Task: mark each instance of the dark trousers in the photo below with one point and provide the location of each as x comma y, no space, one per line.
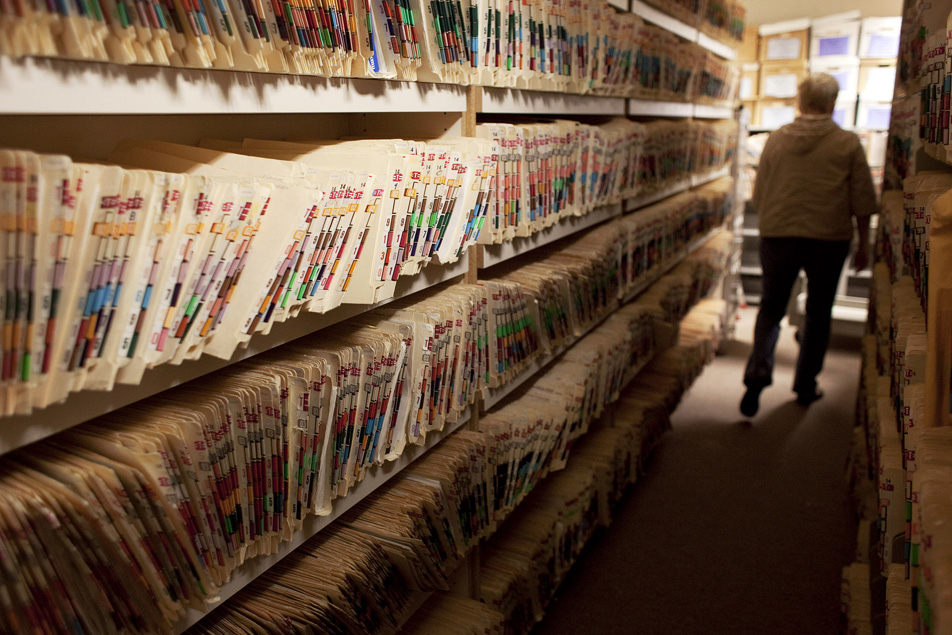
781,260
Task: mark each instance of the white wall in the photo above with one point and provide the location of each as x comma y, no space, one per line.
767,11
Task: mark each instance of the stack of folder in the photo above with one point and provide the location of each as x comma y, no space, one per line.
555,46
899,615
189,251
890,248
452,614
931,602
855,599
919,195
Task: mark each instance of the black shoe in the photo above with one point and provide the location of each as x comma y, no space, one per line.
806,398
751,402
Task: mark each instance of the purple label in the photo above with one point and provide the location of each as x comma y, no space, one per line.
839,45
882,45
878,118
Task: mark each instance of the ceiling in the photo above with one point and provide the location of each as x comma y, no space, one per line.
767,11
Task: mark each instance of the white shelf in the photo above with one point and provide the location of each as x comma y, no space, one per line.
18,431
718,48
48,86
702,111
648,199
751,271
375,478
619,4
700,179
665,21
694,180
495,254
648,108
515,101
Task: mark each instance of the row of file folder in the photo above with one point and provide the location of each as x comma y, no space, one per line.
891,419
549,171
713,17
899,615
185,251
174,493
522,564
931,609
919,196
855,599
552,45
189,251
451,614
430,516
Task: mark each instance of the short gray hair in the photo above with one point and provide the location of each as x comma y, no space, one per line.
817,93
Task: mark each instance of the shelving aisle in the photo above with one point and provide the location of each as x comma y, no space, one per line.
735,528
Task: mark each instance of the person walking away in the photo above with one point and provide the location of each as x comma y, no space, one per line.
812,181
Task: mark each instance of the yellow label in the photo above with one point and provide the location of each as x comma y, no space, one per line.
218,228
440,180
161,229
61,226
231,235
409,192
426,180
194,228
102,229
394,193
353,207
327,211
299,234
371,209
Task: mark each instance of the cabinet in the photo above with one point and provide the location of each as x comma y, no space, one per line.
83,109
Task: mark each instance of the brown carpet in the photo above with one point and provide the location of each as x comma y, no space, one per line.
736,528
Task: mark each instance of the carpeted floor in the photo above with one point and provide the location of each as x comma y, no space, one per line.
737,528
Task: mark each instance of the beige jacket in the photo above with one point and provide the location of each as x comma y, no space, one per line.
812,179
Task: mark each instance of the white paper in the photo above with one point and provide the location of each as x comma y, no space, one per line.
781,86
783,48
747,88
776,116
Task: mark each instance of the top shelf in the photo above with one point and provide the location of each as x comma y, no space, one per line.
509,100
689,33
665,21
51,86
